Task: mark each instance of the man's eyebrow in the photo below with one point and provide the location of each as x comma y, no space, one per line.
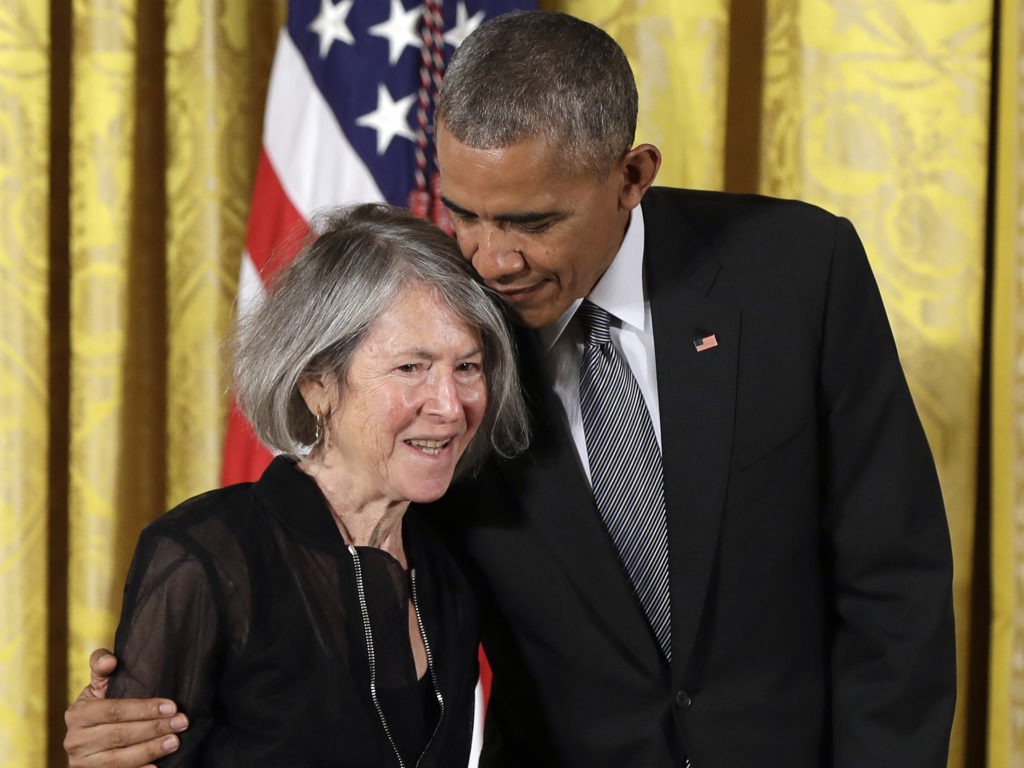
526,217
455,208
529,217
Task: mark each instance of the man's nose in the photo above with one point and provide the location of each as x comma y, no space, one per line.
496,256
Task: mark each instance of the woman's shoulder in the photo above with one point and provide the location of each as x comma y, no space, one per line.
204,545
212,521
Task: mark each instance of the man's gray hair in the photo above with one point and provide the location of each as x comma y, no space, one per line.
532,74
323,304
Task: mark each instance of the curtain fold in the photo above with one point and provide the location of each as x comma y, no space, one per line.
24,377
217,72
1006,660
111,471
165,124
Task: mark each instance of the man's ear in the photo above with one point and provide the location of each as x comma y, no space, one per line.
639,167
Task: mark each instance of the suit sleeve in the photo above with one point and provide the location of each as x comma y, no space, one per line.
167,640
886,538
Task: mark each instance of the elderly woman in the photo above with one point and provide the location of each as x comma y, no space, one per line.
310,618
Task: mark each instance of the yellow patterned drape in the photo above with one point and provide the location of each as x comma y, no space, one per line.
217,69
24,377
879,111
679,55
110,334
166,124
104,128
1006,692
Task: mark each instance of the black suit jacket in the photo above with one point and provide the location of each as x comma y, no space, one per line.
809,550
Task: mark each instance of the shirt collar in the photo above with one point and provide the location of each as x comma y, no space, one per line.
619,291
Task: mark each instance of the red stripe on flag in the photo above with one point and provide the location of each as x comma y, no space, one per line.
485,673
274,234
244,457
274,223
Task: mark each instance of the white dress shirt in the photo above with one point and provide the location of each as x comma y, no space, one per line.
620,292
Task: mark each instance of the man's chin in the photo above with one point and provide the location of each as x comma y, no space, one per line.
536,315
532,318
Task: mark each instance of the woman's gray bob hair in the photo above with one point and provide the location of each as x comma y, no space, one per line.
321,306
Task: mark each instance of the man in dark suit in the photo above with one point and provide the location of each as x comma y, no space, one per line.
808,556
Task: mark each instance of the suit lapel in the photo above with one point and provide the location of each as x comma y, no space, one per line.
696,394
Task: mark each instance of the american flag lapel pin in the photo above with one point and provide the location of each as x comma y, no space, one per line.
704,343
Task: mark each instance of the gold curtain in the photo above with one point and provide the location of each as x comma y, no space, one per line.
24,380
679,53
879,111
128,138
165,117
129,132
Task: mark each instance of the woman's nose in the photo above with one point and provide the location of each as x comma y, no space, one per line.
443,398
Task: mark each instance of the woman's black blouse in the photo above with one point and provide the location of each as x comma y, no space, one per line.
243,605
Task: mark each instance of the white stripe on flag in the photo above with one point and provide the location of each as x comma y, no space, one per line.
315,163
250,286
478,728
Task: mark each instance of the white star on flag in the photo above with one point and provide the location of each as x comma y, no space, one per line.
389,119
400,30
330,25
464,25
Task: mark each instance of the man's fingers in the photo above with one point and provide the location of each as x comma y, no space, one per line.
107,743
129,757
118,733
121,736
87,712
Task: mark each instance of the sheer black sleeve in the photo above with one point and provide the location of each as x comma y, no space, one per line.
170,638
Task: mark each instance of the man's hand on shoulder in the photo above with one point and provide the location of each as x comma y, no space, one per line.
118,733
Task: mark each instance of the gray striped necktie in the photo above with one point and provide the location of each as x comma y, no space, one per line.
625,469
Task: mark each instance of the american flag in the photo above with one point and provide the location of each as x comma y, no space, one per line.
348,119
702,343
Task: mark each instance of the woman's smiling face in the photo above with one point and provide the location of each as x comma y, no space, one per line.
413,398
